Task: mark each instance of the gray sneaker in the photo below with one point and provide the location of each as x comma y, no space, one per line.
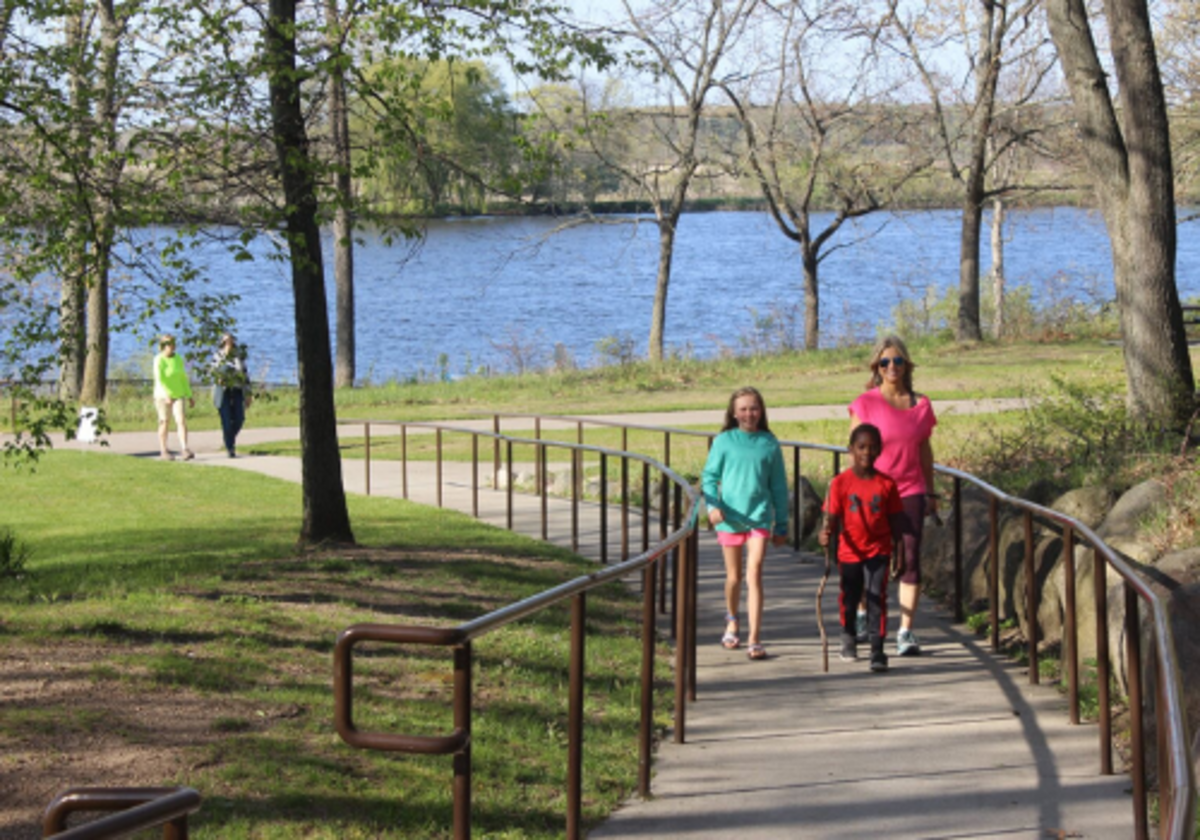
907,644
849,651
860,627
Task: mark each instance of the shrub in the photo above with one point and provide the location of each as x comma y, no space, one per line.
14,554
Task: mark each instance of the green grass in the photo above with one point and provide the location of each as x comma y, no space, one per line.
945,371
155,580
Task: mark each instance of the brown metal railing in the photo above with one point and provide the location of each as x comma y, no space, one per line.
678,544
137,809
1177,796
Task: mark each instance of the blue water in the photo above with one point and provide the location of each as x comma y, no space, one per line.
475,286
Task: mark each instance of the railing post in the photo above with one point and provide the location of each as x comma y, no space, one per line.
604,508
508,491
404,460
1031,602
679,631
624,506
367,457
797,499
1072,630
462,758
575,500
994,571
496,452
1137,745
439,467
1103,670
663,512
475,476
575,717
693,565
646,509
543,476
958,552
1165,788
539,453
676,573
646,724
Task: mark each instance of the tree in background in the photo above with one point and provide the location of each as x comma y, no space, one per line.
436,132
79,137
1126,142
685,47
992,35
827,137
574,167
1178,38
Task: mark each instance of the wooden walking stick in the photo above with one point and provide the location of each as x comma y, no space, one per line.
821,618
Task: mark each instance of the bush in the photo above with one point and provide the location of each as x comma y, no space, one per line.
14,554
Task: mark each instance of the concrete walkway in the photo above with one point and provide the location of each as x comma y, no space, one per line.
951,744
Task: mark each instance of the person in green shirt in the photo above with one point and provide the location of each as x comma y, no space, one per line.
746,493
171,388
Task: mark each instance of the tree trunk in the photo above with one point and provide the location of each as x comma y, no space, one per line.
1130,164
968,263
812,301
343,228
658,316
72,311
326,518
95,369
998,278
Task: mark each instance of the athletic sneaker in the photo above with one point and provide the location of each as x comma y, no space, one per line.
906,643
849,650
879,661
860,627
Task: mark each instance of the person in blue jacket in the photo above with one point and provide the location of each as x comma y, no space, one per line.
746,493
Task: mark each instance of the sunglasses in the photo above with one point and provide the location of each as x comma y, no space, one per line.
885,363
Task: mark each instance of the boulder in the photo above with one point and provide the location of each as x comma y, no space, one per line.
1132,509
1047,556
937,548
810,507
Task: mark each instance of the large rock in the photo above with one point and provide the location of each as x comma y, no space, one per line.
937,550
810,507
1119,530
1137,503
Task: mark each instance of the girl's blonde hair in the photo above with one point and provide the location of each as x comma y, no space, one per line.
890,342
731,419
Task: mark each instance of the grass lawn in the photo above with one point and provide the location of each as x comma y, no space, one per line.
945,371
166,631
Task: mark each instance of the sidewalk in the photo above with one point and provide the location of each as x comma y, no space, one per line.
952,744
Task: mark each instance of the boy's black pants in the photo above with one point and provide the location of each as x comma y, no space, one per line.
870,575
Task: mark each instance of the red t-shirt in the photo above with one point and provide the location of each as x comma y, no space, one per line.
865,506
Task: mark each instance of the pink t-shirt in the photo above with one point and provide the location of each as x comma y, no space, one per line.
903,431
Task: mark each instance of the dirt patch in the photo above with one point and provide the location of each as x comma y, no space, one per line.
61,727
72,714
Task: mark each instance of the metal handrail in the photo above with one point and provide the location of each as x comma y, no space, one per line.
681,541
138,809
1177,790
1176,817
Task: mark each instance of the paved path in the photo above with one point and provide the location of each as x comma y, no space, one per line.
952,744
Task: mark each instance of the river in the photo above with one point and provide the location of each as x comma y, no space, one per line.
477,288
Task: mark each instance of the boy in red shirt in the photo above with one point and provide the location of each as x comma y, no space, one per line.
864,505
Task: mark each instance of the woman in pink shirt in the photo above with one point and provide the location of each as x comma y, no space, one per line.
906,420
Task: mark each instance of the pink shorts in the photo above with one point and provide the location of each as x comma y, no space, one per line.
732,539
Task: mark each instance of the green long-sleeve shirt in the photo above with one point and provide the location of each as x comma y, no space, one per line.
170,378
745,477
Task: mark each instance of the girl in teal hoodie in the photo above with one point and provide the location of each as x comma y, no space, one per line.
746,493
